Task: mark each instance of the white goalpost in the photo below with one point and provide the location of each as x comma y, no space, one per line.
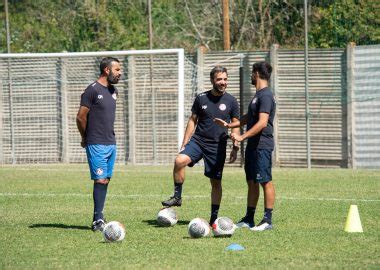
40,93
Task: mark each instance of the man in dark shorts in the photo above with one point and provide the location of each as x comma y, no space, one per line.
258,154
208,141
95,122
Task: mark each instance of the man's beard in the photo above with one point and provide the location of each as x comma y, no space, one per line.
112,79
220,90
253,82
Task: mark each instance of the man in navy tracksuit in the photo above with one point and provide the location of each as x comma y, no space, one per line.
208,141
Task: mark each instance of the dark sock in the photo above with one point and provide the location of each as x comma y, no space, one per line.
178,190
214,212
268,215
250,213
99,196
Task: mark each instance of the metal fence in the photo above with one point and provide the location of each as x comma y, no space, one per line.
344,99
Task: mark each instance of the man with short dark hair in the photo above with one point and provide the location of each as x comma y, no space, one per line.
208,141
258,154
95,122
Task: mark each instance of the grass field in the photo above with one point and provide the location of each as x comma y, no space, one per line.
46,212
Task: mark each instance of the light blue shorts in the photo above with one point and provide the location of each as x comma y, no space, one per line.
101,160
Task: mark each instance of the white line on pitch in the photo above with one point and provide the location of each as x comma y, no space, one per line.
159,196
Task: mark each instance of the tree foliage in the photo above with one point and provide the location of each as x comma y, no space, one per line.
92,25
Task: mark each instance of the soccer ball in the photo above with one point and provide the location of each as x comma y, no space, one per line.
113,231
167,217
198,227
223,226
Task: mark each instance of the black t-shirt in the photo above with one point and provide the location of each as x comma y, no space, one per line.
101,101
262,102
207,107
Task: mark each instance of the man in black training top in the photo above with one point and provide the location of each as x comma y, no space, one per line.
208,141
95,122
258,154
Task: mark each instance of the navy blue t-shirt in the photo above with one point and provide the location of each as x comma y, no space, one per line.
207,107
101,101
262,102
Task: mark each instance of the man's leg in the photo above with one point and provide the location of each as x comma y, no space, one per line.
269,198
216,198
264,177
252,198
99,197
180,164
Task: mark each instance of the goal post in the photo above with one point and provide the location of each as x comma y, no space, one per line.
43,95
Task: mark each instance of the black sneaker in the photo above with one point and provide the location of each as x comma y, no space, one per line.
245,223
173,201
98,225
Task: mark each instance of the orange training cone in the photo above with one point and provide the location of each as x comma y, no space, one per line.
353,223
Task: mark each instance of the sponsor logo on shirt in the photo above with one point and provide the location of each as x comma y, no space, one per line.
254,100
114,96
100,96
204,107
222,107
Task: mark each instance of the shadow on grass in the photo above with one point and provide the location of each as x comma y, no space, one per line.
153,222
60,226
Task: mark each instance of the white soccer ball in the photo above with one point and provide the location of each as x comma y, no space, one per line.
113,231
223,226
167,217
198,227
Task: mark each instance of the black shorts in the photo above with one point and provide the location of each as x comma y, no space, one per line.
258,165
213,154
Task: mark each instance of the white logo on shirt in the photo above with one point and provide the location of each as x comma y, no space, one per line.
204,107
100,96
99,171
114,96
222,107
254,100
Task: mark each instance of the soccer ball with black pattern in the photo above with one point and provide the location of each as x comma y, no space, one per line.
223,227
198,227
167,217
114,231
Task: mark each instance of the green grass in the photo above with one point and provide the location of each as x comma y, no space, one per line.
46,212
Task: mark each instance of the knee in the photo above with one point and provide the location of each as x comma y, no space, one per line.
180,162
102,181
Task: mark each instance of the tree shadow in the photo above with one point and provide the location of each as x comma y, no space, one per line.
153,222
60,226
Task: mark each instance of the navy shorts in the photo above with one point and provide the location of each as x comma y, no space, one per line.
213,154
258,165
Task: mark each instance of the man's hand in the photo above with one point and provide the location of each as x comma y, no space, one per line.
233,154
236,137
181,149
221,122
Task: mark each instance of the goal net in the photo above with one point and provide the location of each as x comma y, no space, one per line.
40,97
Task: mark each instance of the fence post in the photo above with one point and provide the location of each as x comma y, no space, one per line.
274,86
131,110
350,105
1,124
63,120
200,67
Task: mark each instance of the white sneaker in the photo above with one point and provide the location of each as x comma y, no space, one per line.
262,226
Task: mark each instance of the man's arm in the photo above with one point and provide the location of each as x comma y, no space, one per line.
233,124
191,124
259,126
235,147
82,122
